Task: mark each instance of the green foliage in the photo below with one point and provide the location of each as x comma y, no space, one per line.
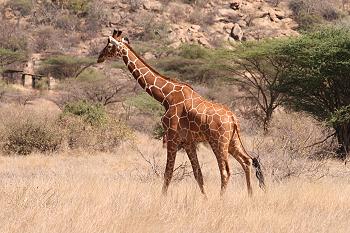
308,22
341,116
23,131
106,137
78,5
257,67
194,51
194,63
75,6
8,57
311,13
42,84
13,45
90,75
93,114
146,103
158,131
318,78
64,66
23,6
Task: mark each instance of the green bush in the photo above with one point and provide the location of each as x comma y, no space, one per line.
94,114
311,13
106,137
25,130
194,63
23,6
308,21
78,5
317,79
63,66
194,51
158,131
340,116
146,103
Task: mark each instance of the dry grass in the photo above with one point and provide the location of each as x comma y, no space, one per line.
77,192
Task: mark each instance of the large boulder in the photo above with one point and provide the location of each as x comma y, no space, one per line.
237,32
152,6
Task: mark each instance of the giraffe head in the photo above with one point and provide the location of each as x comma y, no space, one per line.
114,46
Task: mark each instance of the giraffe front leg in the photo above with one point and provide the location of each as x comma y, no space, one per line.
170,163
192,155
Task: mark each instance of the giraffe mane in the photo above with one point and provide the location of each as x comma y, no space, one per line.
155,71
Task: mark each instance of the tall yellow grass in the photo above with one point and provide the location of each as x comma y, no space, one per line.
120,193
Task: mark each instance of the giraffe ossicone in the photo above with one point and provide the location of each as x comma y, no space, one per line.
188,119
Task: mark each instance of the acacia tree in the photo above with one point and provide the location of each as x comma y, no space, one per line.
318,78
256,65
13,45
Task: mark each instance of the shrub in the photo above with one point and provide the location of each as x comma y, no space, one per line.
177,13
29,136
151,27
146,103
193,51
67,22
95,87
13,45
75,6
12,37
64,66
202,18
194,63
80,133
23,6
199,3
45,39
93,114
8,57
309,13
97,14
134,4
25,131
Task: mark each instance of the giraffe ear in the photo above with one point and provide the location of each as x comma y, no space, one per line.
126,40
116,33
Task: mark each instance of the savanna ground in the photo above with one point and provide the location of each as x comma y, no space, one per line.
82,191
118,193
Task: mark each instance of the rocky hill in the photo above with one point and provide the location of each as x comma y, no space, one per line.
208,23
79,27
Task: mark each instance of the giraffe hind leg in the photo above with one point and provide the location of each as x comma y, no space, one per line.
245,161
221,153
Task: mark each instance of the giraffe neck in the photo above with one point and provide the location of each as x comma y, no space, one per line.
155,84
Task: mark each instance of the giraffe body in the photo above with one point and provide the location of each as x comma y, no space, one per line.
188,120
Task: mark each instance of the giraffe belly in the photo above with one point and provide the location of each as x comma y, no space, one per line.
188,137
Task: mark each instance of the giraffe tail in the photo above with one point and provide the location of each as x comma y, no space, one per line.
258,173
255,162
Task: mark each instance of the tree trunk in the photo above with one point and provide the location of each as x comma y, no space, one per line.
267,118
343,136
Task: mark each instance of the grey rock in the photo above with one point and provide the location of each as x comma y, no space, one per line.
237,32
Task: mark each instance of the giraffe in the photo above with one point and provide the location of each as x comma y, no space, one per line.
188,119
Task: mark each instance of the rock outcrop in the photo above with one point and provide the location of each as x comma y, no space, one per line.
218,20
